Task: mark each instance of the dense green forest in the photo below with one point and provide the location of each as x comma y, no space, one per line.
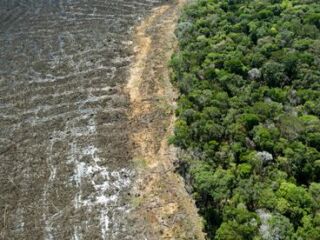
248,72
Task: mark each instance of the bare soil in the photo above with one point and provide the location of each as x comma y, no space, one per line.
65,151
163,207
85,112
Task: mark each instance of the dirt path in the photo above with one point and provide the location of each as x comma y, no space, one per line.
163,208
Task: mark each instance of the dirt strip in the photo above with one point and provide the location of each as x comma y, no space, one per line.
163,208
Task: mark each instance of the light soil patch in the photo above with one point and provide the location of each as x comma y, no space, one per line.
162,206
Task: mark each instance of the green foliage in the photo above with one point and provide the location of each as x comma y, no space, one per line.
249,120
239,224
248,74
294,201
265,138
310,228
280,228
274,74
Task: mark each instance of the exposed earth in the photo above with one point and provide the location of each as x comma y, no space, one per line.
159,194
86,107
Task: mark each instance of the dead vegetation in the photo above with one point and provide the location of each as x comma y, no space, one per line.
162,205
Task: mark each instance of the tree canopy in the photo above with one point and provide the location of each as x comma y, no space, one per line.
249,76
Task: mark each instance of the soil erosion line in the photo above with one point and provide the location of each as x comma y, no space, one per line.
162,206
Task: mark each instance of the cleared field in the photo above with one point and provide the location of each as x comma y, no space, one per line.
64,147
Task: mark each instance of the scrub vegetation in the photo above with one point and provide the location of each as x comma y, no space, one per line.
248,72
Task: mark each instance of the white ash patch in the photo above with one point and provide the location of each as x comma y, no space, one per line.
107,186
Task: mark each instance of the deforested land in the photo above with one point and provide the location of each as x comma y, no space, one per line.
86,107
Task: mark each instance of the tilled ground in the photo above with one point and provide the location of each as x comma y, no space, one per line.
65,169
